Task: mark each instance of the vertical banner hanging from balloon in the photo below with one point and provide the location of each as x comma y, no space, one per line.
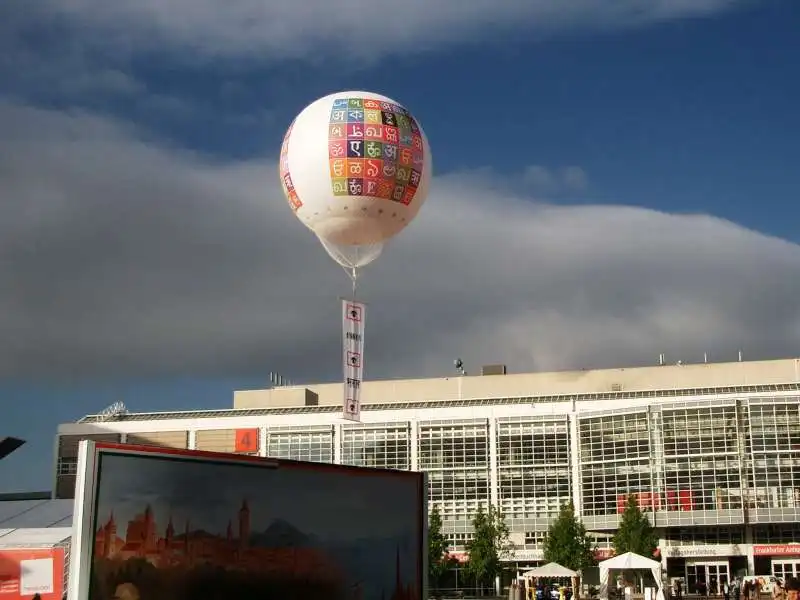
353,316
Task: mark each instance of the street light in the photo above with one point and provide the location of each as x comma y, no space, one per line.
8,445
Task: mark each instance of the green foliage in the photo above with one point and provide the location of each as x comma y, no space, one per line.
567,542
489,546
635,533
438,558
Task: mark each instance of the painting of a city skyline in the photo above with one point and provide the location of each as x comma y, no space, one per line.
172,526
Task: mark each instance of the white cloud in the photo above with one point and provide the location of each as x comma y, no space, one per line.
361,28
552,182
574,178
120,256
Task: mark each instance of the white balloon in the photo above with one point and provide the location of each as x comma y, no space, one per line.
352,257
355,167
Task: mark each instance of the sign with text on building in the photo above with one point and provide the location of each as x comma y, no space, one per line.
704,550
353,317
246,441
776,550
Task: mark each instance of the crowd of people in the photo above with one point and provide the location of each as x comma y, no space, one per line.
744,589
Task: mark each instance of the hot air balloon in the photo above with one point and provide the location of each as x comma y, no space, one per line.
355,168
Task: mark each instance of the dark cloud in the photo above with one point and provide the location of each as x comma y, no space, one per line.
121,256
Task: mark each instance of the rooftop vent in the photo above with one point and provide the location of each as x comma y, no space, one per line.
494,370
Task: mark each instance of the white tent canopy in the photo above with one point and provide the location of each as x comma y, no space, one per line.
550,570
628,562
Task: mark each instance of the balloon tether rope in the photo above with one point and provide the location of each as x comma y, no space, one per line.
353,273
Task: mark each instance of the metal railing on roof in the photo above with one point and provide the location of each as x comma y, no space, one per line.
449,403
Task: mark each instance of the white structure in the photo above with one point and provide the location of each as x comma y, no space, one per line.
711,450
630,562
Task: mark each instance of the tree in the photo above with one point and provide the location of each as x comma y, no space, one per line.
438,557
567,542
489,546
635,533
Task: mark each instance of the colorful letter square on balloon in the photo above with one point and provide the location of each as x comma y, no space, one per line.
294,200
385,189
355,103
355,148
355,116
355,168
336,131
408,196
415,178
406,157
388,118
403,174
338,167
373,132
340,103
374,168
371,187
337,148
372,105
338,116
374,149
355,187
397,194
355,131
390,134
339,186
373,116
389,171
390,152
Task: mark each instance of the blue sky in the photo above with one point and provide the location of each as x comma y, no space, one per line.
614,179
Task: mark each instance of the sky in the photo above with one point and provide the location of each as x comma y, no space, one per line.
614,179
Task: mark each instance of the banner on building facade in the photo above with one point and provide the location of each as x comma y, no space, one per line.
353,316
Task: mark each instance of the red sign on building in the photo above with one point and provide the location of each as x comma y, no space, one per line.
26,572
246,441
776,550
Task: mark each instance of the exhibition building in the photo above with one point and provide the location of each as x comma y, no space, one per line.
711,451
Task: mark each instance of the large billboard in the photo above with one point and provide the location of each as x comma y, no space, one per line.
162,524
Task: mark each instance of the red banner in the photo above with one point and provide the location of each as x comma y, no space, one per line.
26,571
776,550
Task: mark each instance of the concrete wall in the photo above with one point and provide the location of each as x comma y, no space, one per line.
713,375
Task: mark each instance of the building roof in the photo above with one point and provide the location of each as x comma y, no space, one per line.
34,537
15,496
524,388
35,514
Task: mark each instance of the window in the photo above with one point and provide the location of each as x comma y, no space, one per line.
533,460
615,461
387,448
774,436
67,465
314,446
456,457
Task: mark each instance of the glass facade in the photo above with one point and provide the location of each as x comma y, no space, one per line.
615,461
705,470
384,446
310,445
456,458
533,468
701,466
774,446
